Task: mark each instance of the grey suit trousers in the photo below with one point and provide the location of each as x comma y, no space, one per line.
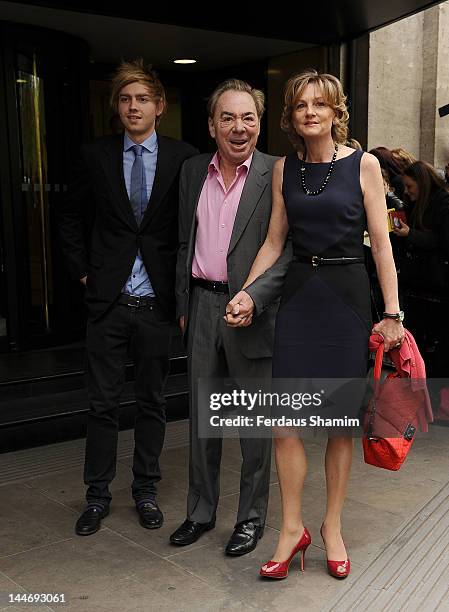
214,352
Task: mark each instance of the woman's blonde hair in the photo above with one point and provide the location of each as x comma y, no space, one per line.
137,71
354,144
332,92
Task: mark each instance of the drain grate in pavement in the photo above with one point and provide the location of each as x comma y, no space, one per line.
42,460
412,573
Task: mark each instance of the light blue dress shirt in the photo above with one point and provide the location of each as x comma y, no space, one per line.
138,282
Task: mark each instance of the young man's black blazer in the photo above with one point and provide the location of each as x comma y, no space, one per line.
98,192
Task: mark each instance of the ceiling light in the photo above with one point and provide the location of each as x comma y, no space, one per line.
184,61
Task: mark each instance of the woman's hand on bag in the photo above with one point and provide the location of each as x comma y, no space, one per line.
402,231
391,331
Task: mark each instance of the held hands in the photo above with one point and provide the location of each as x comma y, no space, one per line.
403,231
83,280
239,311
391,331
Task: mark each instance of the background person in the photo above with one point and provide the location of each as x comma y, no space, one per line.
423,269
393,168
403,158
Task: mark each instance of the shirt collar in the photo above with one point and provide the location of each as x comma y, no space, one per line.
214,164
150,143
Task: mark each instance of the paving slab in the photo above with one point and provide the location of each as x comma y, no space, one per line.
30,520
412,572
239,578
123,520
108,572
126,567
67,486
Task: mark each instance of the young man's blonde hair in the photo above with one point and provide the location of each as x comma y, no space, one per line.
236,85
332,92
136,71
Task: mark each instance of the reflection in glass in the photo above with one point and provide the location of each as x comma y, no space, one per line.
3,301
34,171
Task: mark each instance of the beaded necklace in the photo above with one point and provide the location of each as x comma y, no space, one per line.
316,192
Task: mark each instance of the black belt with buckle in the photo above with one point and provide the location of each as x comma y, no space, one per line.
214,286
316,260
135,301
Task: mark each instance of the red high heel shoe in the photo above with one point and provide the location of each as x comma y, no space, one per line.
337,569
279,569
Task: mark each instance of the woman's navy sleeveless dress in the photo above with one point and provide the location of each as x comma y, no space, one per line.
324,320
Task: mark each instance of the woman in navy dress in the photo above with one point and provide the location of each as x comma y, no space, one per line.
325,194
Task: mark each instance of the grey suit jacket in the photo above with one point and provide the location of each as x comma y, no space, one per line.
248,234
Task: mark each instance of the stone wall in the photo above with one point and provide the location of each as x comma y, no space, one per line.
395,85
408,82
441,152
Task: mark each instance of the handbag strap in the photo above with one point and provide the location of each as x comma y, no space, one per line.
378,361
377,375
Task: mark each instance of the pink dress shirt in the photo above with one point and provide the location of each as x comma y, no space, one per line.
215,216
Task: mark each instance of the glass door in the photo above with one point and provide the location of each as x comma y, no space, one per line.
3,300
46,81
35,189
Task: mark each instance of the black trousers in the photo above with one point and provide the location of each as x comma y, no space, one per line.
147,333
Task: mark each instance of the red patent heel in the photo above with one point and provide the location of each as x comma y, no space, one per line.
279,569
337,569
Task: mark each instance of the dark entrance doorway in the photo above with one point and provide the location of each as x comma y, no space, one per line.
43,112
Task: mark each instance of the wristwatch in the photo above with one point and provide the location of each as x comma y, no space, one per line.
397,316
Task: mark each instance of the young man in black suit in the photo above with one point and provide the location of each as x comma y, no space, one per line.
129,185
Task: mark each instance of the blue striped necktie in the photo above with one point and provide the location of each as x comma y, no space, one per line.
138,190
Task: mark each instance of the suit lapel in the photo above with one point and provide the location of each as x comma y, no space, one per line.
199,182
194,197
114,171
166,169
255,184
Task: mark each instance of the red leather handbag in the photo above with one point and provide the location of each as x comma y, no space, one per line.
390,421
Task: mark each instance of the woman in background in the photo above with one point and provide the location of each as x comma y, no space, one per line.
403,158
423,270
392,167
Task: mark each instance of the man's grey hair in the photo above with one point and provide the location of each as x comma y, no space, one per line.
236,85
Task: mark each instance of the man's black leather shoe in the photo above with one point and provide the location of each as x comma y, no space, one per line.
90,520
244,539
189,532
150,515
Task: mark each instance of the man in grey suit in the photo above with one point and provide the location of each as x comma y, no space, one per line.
225,207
